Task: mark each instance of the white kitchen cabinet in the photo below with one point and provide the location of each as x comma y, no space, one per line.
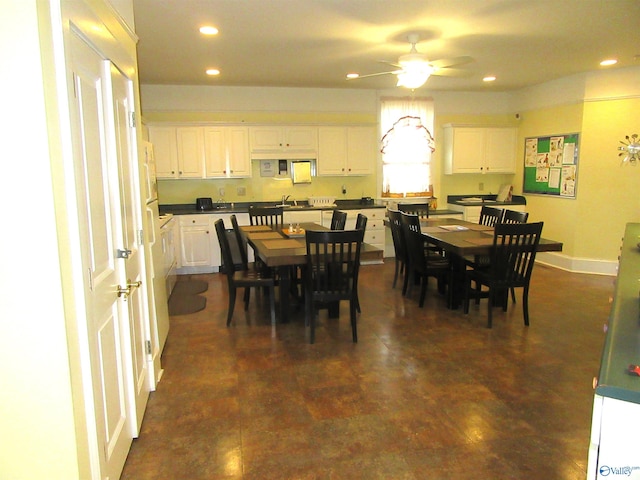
470,149
165,151
282,140
179,151
226,152
346,150
190,143
197,241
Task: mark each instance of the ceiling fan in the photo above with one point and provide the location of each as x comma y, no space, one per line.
414,69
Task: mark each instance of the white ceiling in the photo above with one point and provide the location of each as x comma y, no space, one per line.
315,43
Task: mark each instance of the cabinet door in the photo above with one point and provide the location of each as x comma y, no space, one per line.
196,245
500,150
165,151
361,155
238,152
301,139
332,150
265,139
190,152
215,155
467,150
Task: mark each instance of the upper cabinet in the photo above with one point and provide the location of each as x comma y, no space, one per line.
227,152
201,152
346,150
472,149
279,142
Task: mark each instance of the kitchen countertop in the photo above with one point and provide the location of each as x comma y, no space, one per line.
465,200
243,207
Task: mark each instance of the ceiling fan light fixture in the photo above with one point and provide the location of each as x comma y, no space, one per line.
412,80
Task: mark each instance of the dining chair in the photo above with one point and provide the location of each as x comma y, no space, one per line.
424,263
489,216
272,216
338,220
408,221
242,244
512,258
420,209
242,277
395,222
333,263
361,224
513,216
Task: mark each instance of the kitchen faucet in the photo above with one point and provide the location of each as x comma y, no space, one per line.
284,199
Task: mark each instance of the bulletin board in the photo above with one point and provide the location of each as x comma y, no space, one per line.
551,165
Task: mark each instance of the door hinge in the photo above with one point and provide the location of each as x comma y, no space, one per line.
132,119
148,347
140,237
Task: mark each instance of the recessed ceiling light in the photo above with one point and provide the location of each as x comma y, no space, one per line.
489,78
353,75
208,30
213,71
608,62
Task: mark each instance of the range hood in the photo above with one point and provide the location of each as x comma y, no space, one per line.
288,155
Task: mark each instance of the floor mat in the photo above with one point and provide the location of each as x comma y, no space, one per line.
185,299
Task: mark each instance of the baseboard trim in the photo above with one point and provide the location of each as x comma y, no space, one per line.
578,265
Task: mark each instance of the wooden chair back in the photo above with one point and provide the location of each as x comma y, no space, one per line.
489,216
513,216
420,209
272,216
338,220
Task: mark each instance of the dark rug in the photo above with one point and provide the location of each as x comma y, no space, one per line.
185,299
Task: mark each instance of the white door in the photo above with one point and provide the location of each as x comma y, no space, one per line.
107,325
136,302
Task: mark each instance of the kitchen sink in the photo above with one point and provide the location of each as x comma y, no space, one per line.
292,207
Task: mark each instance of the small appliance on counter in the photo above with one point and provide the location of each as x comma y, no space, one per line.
204,204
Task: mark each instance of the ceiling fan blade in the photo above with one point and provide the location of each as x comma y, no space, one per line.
451,62
375,74
451,72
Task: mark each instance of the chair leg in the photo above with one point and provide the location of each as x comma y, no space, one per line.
272,304
513,294
490,307
232,303
525,305
395,275
423,291
247,296
405,285
354,327
467,287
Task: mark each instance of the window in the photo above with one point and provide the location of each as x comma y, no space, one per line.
407,145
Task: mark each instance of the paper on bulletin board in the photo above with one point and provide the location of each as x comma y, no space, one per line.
551,165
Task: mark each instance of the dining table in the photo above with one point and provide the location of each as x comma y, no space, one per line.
459,239
282,248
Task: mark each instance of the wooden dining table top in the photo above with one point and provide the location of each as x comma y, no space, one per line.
281,247
466,238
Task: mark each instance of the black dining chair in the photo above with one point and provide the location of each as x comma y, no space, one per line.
361,224
420,209
425,263
395,223
512,258
272,216
513,216
489,216
333,263
338,220
242,277
242,244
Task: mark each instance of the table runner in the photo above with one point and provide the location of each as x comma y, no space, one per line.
284,243
264,235
256,228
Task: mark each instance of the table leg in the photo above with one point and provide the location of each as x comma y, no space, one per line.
285,284
457,281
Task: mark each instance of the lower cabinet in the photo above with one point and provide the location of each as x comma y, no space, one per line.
199,247
197,240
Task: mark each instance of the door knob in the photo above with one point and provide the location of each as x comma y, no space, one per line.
126,291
